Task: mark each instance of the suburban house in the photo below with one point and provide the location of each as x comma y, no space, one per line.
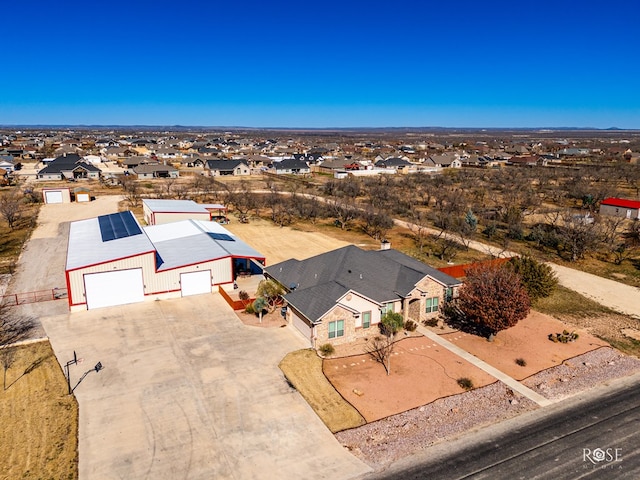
340,296
620,207
7,163
394,162
70,166
227,167
527,161
112,260
135,160
291,166
156,170
447,160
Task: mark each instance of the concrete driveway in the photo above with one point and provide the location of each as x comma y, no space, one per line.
188,391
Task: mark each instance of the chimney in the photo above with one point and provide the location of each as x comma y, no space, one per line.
385,245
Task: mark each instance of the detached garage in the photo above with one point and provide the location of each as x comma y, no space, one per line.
56,195
112,260
159,212
82,194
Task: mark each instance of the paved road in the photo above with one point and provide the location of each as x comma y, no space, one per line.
546,444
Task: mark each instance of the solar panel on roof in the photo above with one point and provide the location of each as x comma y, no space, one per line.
118,225
221,236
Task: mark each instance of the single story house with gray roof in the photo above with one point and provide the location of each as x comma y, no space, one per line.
340,296
227,167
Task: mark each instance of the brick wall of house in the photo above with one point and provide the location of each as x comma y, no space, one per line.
338,313
417,310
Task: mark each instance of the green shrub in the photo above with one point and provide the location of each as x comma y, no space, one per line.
521,361
537,278
249,308
564,337
430,322
327,349
391,323
465,383
410,326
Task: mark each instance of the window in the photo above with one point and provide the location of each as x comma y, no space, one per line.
366,319
448,295
336,329
432,304
387,307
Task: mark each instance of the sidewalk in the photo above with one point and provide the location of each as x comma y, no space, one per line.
494,372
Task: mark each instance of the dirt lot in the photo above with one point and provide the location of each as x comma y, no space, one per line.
365,384
529,341
282,243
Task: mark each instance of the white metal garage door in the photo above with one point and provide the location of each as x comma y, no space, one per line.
114,288
195,283
302,327
53,197
82,197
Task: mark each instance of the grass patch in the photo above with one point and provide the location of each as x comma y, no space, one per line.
628,346
39,427
303,370
567,302
12,241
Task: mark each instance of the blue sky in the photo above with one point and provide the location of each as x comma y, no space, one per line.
322,64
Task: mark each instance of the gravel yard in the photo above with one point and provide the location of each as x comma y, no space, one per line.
386,441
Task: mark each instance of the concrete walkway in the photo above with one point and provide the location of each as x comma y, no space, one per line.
503,377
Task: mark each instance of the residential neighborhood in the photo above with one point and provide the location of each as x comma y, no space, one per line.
220,279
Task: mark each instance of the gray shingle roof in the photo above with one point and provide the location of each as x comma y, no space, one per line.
382,276
67,163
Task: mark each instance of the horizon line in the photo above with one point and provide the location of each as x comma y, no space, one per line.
326,128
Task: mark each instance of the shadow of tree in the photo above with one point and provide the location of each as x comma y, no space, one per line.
454,318
35,364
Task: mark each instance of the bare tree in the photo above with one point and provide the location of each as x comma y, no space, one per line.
579,234
10,203
419,226
131,190
380,348
181,191
376,224
243,200
344,211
